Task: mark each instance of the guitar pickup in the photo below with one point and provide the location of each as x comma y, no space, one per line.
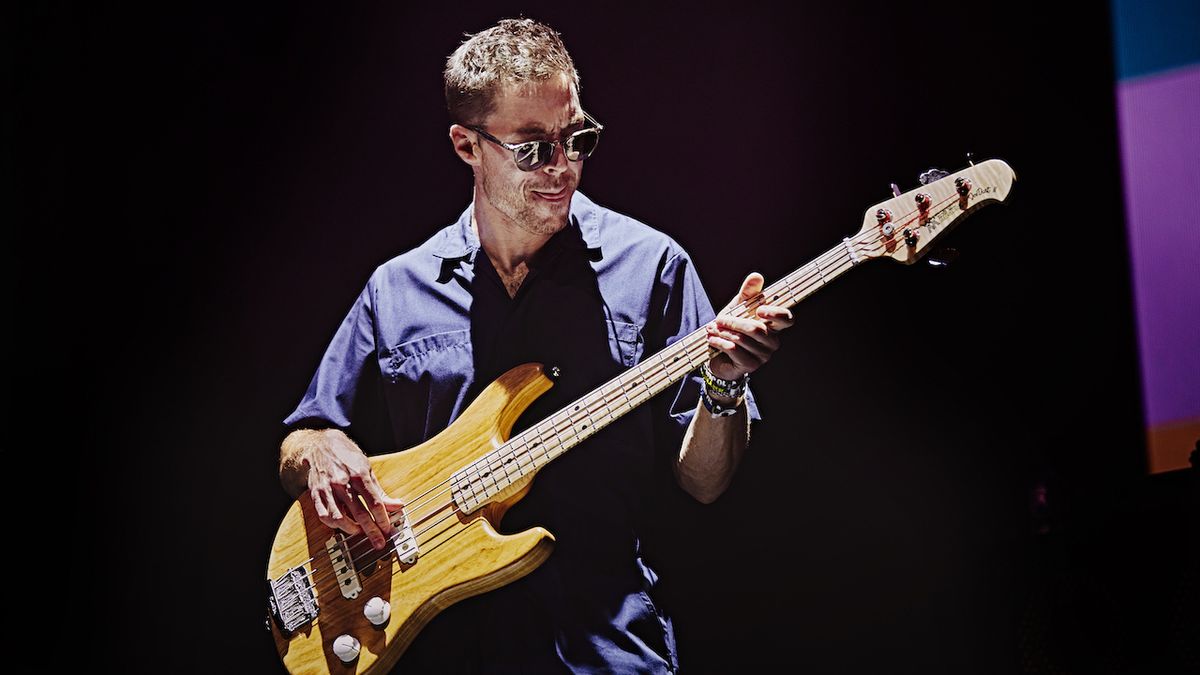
343,566
405,542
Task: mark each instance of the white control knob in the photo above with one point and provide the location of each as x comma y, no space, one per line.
346,648
378,611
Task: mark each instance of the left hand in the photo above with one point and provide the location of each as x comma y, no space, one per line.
746,344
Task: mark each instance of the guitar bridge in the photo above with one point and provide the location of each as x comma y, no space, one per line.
291,601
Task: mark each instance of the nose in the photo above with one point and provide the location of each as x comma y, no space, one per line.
558,159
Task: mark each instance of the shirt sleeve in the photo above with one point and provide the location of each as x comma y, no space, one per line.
330,399
687,308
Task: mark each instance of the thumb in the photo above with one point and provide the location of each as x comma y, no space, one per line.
751,287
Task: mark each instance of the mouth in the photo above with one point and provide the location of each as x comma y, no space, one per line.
558,196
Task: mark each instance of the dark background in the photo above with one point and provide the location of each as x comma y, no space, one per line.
202,191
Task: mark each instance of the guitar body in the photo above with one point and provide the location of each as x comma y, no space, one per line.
460,555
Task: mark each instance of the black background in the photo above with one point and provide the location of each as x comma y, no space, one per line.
203,190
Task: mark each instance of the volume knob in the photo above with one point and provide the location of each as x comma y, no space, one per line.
378,611
346,648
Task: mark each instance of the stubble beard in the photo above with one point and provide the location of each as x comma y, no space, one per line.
524,209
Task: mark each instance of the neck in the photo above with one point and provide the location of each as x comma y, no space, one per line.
508,246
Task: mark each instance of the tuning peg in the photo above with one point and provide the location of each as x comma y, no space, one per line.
932,175
969,156
895,190
943,257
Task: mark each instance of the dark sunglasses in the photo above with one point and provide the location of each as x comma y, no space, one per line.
532,155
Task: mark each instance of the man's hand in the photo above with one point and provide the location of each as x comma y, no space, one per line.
340,481
746,344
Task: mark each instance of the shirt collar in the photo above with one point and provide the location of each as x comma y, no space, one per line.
460,242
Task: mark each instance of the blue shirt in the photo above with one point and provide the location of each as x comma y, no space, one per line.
435,325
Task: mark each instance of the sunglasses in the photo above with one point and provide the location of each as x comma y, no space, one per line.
532,155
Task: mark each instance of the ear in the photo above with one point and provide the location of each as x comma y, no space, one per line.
466,144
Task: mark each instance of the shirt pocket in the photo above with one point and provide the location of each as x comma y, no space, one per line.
440,357
626,342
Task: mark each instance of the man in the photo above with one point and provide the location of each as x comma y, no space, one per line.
535,271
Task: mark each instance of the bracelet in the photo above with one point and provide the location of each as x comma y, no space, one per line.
726,388
716,409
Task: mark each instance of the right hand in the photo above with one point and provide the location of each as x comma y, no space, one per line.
338,475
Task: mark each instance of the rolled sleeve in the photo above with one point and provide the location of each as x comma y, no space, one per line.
330,398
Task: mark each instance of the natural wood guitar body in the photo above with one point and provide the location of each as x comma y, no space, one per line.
461,557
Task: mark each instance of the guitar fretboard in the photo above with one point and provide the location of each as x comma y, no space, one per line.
489,476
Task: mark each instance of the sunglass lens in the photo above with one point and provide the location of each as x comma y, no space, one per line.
532,155
582,144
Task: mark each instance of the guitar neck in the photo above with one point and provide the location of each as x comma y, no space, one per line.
489,476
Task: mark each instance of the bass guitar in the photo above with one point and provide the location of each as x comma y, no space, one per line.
338,605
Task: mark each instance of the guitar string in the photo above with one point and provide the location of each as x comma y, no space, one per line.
425,548
591,406
555,443
495,457
423,534
838,253
595,402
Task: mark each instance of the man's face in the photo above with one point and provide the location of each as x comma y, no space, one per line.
538,201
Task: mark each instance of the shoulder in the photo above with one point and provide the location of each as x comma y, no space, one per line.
617,232
425,261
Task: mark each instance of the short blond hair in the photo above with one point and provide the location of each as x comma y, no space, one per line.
514,51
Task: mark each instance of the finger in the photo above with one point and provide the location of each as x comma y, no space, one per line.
329,514
752,286
319,504
751,328
359,514
392,503
761,346
742,359
372,494
776,318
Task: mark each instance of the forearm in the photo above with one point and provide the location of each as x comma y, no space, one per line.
293,469
711,451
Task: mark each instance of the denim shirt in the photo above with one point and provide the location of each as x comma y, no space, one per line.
435,325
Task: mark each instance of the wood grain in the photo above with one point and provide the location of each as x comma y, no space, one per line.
459,557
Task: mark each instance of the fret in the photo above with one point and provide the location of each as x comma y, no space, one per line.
489,473
644,381
506,462
472,474
624,389
612,416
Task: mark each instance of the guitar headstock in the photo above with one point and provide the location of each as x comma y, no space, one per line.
905,226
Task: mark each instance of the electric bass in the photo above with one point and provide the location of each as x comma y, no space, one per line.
338,605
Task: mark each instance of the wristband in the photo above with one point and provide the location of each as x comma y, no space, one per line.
716,409
726,388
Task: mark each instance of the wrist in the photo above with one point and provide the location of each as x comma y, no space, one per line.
295,455
718,386
719,405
